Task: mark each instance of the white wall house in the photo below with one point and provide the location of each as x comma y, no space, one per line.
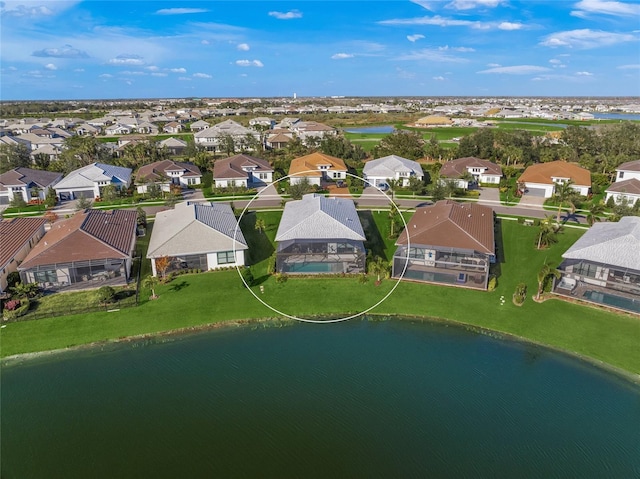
242,170
626,188
201,236
471,171
213,138
316,168
28,183
166,173
541,179
377,172
87,181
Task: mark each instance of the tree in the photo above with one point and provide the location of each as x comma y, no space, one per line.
106,294
14,156
26,290
564,192
162,265
407,144
228,144
595,210
142,217
247,275
151,282
379,267
545,272
395,221
299,189
520,294
437,190
83,203
17,201
41,161
547,232
108,193
260,225
51,199
394,184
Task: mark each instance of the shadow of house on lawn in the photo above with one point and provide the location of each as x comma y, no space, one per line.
374,243
260,248
496,268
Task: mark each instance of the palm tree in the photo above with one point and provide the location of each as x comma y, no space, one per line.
595,210
546,233
543,274
151,282
564,192
379,267
394,184
260,225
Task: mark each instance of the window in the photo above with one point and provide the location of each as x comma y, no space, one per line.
49,276
263,176
620,175
226,257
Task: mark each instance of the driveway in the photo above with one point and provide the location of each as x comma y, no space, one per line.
489,196
531,201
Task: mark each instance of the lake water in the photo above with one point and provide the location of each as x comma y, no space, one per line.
617,116
355,399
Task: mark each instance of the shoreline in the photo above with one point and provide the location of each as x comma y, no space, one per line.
174,333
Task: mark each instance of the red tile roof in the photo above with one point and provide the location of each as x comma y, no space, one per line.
14,234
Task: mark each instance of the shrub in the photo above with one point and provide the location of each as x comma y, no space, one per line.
271,265
493,283
362,278
247,276
106,294
12,305
281,277
520,294
17,312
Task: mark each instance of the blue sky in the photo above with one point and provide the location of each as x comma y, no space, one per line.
71,49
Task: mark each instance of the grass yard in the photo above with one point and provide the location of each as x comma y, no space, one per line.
206,298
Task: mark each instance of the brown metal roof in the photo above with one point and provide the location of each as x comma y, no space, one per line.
89,234
631,186
456,168
232,167
452,225
156,171
25,176
14,234
629,166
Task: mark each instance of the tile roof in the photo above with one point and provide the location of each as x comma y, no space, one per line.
232,167
543,173
458,167
387,166
631,186
14,233
89,234
317,217
157,170
629,166
26,176
309,165
452,225
615,244
195,228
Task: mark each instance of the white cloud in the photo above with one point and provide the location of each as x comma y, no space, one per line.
158,74
470,4
184,78
433,56
286,15
133,73
341,56
456,49
414,38
34,8
105,75
439,78
584,74
126,59
204,42
243,47
605,7
633,66
202,75
78,70
67,51
435,20
178,70
426,4
50,66
249,63
586,38
516,70
493,65
180,11
152,68
510,26
555,61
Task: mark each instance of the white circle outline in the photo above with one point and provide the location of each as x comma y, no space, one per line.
307,320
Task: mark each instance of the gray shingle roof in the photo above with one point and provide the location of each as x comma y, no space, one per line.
195,228
616,244
317,217
26,176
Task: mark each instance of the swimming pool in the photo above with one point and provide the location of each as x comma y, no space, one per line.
313,267
613,300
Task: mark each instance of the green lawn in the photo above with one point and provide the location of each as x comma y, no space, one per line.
194,300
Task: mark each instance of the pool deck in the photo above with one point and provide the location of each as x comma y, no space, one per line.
579,291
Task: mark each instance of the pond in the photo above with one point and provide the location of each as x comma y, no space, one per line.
372,129
397,398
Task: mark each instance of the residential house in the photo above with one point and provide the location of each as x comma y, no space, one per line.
175,146
316,168
603,266
17,237
379,171
470,171
93,248
278,141
311,131
28,183
86,182
172,127
199,126
117,129
166,173
242,170
201,236
263,122
626,188
215,137
447,243
319,235
541,179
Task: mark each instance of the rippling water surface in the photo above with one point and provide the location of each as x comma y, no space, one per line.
356,399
